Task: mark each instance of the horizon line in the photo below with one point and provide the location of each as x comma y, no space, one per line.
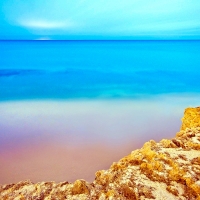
100,40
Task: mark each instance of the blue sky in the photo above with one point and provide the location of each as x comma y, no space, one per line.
100,19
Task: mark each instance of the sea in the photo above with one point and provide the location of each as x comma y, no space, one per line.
70,108
97,69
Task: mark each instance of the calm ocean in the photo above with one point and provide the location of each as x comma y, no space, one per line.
97,69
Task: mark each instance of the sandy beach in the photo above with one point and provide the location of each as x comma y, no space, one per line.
69,140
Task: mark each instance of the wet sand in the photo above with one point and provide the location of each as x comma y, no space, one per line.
69,140
51,162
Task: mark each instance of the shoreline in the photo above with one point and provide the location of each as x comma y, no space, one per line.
103,131
167,169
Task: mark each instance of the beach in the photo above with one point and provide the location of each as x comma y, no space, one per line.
66,140
71,108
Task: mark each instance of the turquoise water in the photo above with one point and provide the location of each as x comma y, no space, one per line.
97,69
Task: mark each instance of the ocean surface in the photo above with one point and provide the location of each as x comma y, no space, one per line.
97,69
70,108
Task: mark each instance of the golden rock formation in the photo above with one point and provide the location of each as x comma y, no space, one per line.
191,118
169,169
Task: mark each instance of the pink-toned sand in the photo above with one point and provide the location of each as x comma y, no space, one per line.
69,140
50,162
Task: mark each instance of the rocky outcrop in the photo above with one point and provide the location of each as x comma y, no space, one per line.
191,118
169,169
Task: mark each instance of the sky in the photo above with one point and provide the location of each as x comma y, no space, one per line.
99,19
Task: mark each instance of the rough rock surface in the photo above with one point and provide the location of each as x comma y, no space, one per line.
169,169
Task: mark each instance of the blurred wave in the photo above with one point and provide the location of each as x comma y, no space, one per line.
76,83
18,72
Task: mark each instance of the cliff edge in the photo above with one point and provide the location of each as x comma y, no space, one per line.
169,169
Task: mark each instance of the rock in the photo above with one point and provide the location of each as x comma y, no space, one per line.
169,169
191,118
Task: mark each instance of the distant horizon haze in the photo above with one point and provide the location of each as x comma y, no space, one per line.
100,19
